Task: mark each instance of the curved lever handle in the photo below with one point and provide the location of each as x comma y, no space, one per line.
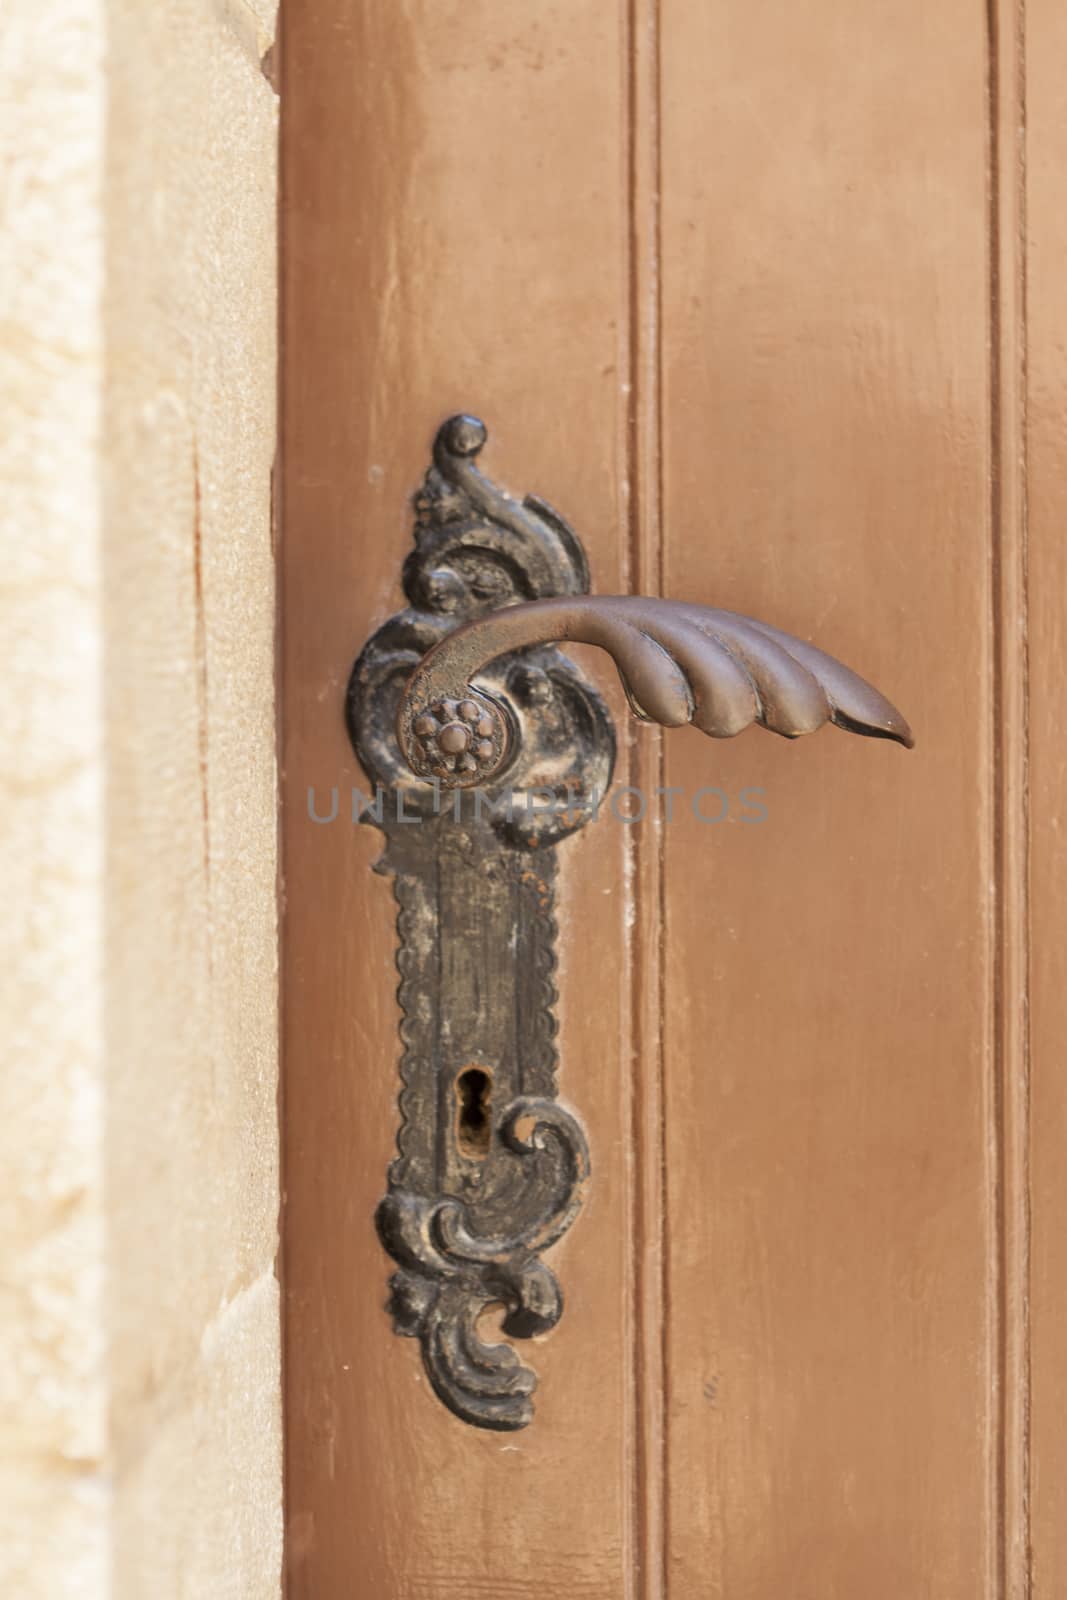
678,663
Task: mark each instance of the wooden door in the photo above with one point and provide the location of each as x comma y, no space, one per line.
768,301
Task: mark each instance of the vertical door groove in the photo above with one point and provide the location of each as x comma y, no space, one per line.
643,457
1010,776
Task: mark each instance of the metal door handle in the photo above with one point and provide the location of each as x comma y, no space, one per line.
678,663
465,691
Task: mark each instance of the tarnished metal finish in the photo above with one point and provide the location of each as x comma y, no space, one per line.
463,711
490,1168
483,1180
678,663
534,728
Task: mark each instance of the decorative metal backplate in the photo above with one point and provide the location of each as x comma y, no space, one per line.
491,1167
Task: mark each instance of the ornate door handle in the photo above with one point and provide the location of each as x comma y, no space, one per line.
465,692
678,663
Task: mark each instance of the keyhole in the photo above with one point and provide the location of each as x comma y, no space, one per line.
474,1093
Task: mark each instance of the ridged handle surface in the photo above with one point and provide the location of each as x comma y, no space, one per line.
678,663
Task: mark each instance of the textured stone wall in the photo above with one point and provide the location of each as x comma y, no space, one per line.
53,1372
139,1392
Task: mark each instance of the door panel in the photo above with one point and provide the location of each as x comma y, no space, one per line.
733,289
827,1089
455,239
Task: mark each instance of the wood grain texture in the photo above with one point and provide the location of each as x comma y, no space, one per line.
829,1090
455,235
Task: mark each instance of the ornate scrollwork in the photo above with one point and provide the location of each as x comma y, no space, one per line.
451,1273
476,932
548,735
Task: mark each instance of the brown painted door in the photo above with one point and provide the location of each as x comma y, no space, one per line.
768,300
